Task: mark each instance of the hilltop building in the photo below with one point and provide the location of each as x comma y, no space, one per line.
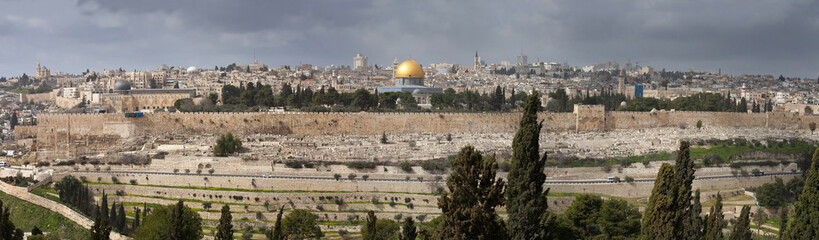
409,77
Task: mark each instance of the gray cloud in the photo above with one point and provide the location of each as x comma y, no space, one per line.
766,37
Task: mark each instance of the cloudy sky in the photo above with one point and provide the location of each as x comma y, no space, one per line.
760,37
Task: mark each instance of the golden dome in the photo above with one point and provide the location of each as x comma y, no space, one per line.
409,69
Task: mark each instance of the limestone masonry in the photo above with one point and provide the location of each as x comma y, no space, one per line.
99,133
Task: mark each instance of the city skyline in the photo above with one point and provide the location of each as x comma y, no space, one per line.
738,37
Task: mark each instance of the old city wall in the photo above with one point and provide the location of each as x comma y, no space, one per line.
94,133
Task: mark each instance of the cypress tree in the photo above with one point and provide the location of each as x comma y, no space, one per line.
714,223
104,206
371,229
805,222
100,230
177,221
741,228
135,223
113,217
692,225
278,232
526,200
684,176
224,231
659,217
408,231
469,212
783,226
121,219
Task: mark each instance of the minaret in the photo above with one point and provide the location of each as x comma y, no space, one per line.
394,66
477,61
621,86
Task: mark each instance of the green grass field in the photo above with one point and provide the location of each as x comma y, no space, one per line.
727,151
26,215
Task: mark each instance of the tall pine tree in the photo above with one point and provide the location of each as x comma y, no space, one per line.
469,212
714,222
805,221
224,231
741,228
525,199
659,217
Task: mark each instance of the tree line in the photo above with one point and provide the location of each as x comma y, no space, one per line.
709,102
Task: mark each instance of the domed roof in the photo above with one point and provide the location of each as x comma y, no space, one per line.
122,85
192,69
409,69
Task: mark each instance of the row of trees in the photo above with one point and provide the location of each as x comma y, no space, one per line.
468,100
711,102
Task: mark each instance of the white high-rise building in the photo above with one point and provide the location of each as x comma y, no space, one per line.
360,62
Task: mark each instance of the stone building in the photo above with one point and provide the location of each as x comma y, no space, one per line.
409,77
125,99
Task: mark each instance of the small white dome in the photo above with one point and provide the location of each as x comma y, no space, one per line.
192,69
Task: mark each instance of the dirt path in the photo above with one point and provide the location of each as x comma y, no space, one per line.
21,193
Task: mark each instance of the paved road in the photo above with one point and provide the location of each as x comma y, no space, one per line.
69,213
548,182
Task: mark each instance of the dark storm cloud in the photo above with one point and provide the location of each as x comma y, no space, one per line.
768,37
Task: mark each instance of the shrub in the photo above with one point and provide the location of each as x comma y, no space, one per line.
625,162
406,167
339,201
114,180
211,171
629,179
699,124
133,182
42,164
120,193
227,144
434,165
337,176
365,177
294,164
175,170
607,168
309,165
198,171
504,166
410,206
187,171
351,176
361,165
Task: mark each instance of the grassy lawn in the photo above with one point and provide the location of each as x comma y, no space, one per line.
26,215
726,152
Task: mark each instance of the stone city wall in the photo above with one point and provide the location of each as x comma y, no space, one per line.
95,133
